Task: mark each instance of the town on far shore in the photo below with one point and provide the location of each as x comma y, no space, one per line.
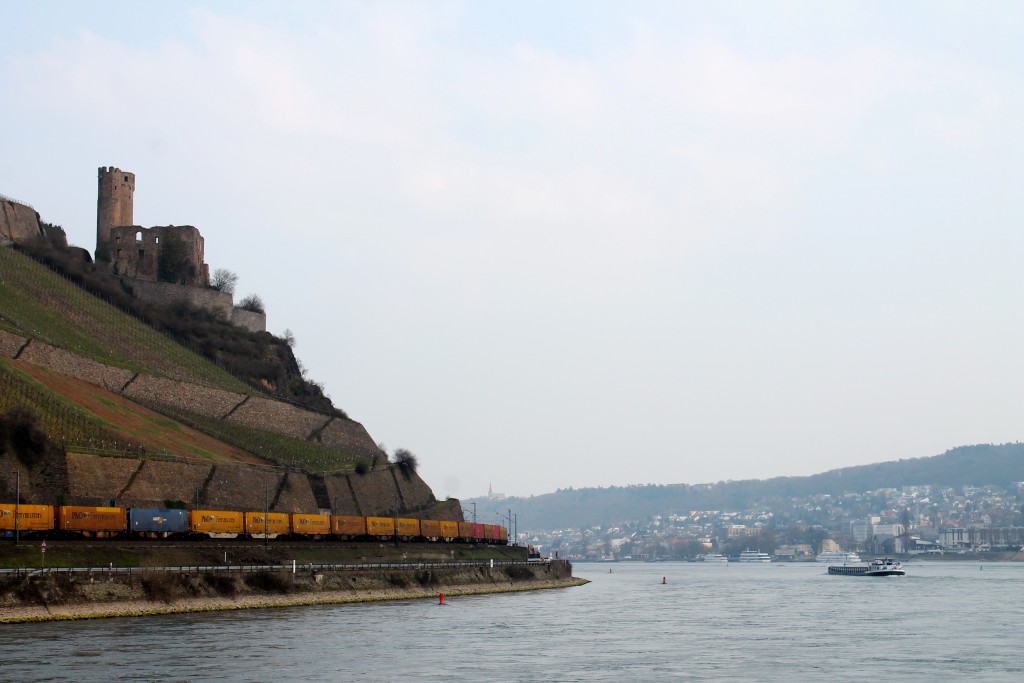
926,521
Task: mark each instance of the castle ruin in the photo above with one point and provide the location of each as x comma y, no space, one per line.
172,254
165,263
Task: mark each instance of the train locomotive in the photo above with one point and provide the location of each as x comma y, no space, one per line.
77,521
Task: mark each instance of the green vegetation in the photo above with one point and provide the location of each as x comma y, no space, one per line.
60,419
173,265
84,309
36,302
55,294
284,450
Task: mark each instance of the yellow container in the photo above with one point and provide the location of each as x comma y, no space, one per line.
408,528
216,523
382,527
267,525
430,529
449,530
30,517
348,526
311,525
91,520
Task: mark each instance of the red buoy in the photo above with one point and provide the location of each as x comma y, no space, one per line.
663,580
441,596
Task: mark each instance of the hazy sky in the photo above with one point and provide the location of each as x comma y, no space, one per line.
552,244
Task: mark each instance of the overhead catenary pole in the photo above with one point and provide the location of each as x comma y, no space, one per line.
17,504
396,517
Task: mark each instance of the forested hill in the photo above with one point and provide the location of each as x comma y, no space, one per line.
978,465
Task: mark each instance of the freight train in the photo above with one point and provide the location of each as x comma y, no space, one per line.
55,521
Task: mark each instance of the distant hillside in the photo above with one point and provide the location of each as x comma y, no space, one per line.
978,465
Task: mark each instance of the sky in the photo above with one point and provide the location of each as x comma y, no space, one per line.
554,244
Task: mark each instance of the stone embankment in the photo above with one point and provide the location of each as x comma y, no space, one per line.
51,597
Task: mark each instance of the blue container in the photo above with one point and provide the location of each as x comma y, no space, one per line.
155,520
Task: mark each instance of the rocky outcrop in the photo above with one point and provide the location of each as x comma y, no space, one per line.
19,224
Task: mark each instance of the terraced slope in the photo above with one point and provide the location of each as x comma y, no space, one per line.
36,302
84,417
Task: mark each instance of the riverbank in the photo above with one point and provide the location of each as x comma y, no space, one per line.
56,597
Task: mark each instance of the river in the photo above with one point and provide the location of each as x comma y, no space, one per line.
770,622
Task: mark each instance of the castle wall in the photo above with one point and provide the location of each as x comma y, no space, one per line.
19,224
135,252
166,294
249,320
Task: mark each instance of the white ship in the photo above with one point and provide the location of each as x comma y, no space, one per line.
839,557
712,559
754,556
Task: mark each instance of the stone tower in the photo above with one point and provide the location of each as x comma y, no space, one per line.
113,206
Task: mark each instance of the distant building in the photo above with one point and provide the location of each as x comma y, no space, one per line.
491,495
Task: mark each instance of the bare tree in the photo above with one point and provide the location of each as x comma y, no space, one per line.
406,461
253,303
224,280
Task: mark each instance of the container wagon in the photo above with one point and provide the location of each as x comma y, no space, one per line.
267,524
311,525
216,523
348,527
29,518
157,522
93,522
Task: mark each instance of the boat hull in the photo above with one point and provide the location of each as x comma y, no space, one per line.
876,568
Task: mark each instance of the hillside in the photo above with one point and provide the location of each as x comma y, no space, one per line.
977,465
101,402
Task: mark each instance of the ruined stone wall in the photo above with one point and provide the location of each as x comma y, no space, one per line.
19,224
135,252
166,294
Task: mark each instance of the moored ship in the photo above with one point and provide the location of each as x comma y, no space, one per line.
754,556
714,559
838,557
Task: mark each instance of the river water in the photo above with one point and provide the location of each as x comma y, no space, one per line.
771,622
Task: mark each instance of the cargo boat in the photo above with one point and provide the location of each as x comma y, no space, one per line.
881,567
